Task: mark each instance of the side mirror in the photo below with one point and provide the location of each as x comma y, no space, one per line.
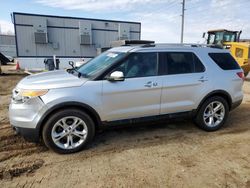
116,76
204,35
72,64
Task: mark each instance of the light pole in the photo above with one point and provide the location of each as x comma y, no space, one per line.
182,20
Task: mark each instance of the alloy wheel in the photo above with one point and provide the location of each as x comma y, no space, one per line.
214,114
69,132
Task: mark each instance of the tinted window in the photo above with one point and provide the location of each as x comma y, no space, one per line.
198,66
182,63
162,63
224,61
139,65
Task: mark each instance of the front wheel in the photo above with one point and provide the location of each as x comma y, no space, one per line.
68,131
213,114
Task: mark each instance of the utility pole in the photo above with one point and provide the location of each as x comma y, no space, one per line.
182,20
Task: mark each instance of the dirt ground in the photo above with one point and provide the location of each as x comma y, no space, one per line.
175,154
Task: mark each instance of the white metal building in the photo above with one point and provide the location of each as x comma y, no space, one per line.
69,38
8,45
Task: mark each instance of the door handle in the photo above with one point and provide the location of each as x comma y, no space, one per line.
202,79
148,84
155,84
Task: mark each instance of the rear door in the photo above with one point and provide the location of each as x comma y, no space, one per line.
139,94
185,81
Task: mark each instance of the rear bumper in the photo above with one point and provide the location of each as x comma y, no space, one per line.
29,134
236,104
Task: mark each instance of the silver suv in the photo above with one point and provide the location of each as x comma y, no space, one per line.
126,85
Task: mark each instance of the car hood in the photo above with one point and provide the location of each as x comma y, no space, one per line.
50,80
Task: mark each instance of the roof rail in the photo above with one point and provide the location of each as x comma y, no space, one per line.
148,45
183,45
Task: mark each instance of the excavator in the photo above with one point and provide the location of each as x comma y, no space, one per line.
230,40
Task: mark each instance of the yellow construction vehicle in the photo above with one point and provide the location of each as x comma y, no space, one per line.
231,40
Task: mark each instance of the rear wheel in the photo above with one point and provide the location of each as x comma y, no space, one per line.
68,131
213,114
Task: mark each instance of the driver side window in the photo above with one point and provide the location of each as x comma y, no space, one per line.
139,65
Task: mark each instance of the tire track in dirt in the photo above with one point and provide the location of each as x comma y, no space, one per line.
25,167
13,146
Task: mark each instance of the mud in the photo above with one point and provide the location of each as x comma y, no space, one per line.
25,167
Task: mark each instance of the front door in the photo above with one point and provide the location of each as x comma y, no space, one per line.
139,94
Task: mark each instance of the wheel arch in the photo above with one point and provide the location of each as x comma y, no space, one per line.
76,105
220,93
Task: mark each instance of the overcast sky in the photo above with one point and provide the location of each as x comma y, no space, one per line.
161,20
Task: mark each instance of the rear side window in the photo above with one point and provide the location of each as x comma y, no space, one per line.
181,63
224,60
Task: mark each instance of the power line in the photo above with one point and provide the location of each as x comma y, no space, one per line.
163,9
201,8
170,5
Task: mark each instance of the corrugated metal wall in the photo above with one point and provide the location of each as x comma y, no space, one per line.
7,40
8,45
63,35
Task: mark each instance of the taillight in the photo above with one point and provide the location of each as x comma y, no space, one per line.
241,75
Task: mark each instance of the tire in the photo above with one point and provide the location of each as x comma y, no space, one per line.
68,131
202,119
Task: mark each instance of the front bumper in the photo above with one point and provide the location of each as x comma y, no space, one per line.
31,135
24,117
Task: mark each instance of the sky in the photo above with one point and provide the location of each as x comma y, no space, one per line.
160,19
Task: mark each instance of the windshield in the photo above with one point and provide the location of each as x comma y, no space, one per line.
229,37
220,37
99,63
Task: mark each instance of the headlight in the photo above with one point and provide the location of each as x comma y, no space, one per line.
33,93
23,95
